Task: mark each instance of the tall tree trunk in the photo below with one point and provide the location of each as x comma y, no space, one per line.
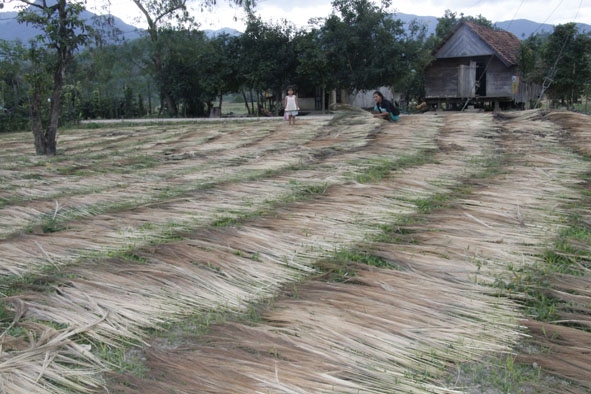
149,99
36,123
61,24
164,92
46,139
245,101
251,103
54,111
172,107
155,12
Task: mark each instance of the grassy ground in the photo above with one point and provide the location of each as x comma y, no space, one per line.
236,109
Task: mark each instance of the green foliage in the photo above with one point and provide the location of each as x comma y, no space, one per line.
480,20
344,263
569,255
560,61
60,24
572,53
180,70
50,224
528,58
448,22
109,76
416,57
14,112
445,24
312,62
181,53
267,59
363,45
63,32
121,359
501,374
380,169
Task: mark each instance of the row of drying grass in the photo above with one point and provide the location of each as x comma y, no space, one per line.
339,329
135,314
205,265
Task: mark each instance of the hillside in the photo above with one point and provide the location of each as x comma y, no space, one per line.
11,30
522,28
344,254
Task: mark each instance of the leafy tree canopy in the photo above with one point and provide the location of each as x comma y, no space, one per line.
362,44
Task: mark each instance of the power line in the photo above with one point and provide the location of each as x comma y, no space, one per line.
515,15
578,10
549,16
552,73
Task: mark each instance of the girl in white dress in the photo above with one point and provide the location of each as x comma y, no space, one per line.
291,106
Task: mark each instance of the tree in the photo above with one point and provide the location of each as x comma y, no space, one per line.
449,20
267,59
168,14
480,20
13,95
181,65
63,32
106,74
160,14
223,75
560,62
445,24
312,62
417,56
363,44
531,61
568,61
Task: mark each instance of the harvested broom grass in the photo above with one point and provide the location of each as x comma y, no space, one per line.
385,331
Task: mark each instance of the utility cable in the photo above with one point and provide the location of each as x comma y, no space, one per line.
552,73
545,21
515,14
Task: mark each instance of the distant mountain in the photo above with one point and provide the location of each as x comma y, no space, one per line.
11,30
522,28
219,32
430,22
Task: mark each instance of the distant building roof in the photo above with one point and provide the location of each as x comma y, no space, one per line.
503,43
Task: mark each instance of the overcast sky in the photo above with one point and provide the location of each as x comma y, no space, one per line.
300,11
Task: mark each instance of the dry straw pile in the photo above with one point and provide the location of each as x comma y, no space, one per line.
114,253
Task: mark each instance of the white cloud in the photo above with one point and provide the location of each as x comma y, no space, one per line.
541,11
299,15
299,12
222,15
552,11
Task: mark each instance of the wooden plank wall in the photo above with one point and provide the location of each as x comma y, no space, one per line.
455,78
466,79
441,79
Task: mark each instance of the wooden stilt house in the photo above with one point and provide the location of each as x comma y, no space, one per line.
477,66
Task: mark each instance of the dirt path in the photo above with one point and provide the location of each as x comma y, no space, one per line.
225,220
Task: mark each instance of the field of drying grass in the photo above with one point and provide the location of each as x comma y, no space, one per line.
342,255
